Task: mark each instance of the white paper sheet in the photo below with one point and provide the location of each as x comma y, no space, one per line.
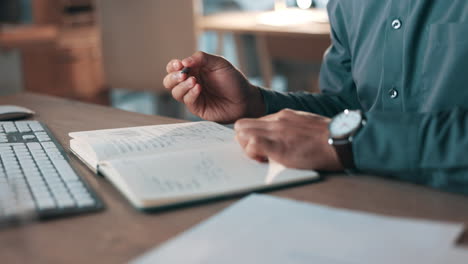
266,229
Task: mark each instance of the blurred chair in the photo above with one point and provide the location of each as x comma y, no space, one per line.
139,38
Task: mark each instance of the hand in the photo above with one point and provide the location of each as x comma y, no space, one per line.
293,138
213,89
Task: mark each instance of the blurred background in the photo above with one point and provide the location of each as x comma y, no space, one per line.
114,52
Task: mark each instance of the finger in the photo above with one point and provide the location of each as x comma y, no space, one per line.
198,59
173,79
208,61
183,88
259,148
242,139
285,114
251,123
292,115
174,65
243,136
272,117
192,95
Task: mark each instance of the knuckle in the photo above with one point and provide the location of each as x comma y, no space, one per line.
186,84
169,81
191,81
166,82
199,54
239,125
282,114
170,65
254,140
286,112
240,137
251,151
175,93
188,99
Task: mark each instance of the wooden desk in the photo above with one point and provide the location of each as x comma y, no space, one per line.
303,41
120,232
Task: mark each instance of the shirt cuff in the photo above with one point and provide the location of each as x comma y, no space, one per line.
271,100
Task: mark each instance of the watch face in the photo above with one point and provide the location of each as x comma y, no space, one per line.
345,123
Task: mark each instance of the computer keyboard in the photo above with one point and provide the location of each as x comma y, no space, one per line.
35,176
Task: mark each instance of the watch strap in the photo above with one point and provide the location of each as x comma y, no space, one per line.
345,154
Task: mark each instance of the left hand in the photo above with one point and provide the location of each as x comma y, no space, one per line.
294,139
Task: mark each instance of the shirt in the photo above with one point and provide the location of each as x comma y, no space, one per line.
405,65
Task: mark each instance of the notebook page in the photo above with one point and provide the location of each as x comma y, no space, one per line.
121,142
196,174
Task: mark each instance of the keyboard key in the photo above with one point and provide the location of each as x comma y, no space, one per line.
36,127
24,129
86,202
32,175
45,204
10,129
38,186
34,145
55,184
28,137
39,189
40,158
75,184
66,203
14,174
61,193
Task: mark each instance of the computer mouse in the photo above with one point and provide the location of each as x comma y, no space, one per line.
12,112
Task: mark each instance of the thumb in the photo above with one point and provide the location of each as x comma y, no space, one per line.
201,59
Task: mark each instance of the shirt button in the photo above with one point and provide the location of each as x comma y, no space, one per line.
396,24
393,93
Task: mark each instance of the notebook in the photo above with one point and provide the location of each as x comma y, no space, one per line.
266,229
167,165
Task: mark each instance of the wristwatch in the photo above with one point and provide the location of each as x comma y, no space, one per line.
343,127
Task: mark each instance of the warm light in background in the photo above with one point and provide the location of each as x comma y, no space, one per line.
304,4
292,17
284,16
280,5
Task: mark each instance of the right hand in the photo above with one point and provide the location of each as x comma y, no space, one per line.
213,89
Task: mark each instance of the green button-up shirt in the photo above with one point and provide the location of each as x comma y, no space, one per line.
405,64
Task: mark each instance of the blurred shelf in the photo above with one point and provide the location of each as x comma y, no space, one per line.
64,62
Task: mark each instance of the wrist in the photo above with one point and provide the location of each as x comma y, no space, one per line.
343,128
255,102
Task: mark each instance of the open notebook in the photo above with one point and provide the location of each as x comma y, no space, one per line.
165,165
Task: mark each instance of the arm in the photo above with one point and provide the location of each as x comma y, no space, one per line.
336,82
424,148
298,139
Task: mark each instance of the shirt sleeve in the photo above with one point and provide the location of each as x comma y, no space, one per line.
336,82
424,148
